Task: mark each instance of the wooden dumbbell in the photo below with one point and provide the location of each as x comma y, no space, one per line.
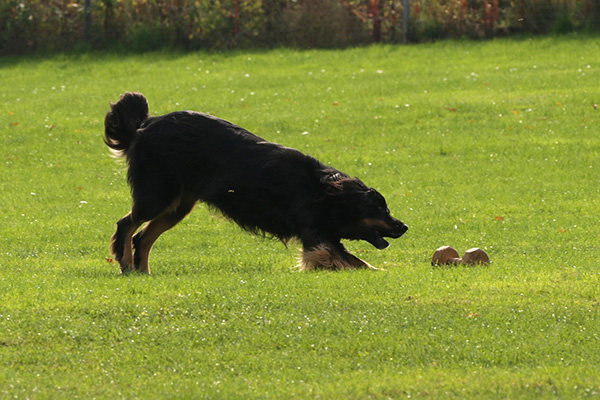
446,255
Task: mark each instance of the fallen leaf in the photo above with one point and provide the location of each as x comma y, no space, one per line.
515,111
562,230
335,103
109,260
499,218
15,123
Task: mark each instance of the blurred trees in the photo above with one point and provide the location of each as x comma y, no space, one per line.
140,25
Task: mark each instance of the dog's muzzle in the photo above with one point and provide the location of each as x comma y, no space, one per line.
397,229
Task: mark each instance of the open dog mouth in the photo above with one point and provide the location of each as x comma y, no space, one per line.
378,240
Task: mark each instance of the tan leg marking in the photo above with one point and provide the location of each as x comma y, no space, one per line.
127,261
148,237
325,257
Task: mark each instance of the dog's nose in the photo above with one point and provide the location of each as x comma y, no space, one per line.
402,228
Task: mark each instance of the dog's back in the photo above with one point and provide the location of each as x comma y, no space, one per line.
263,186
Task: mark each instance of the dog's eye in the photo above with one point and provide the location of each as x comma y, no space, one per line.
382,206
379,206
378,202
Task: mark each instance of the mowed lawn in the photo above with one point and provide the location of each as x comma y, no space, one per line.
491,144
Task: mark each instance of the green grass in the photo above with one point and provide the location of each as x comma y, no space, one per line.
489,144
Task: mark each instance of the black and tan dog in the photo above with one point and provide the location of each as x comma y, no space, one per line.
178,159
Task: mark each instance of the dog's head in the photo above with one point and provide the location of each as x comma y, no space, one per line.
358,212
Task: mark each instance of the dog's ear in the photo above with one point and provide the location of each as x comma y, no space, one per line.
331,177
332,181
344,185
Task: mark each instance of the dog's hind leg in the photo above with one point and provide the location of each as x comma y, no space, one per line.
121,242
144,240
122,239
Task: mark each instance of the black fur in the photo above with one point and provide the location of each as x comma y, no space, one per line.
183,157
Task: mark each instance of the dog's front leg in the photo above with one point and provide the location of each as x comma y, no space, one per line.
331,256
354,261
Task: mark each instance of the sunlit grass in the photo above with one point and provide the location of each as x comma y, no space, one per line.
492,144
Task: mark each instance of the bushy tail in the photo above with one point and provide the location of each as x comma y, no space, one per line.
123,120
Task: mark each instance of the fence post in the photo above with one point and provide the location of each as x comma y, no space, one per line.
405,15
87,20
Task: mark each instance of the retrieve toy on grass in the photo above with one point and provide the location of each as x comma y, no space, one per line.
178,159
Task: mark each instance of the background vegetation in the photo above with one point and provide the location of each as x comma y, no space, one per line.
141,25
491,144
